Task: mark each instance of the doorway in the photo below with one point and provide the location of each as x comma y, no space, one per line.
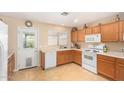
27,48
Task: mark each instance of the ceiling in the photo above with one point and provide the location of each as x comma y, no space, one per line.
71,20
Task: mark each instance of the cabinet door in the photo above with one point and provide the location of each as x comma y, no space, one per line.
81,36
106,68
77,57
110,32
88,31
121,33
120,69
74,36
96,30
60,58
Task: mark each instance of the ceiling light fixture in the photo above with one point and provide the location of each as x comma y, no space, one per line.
64,13
75,20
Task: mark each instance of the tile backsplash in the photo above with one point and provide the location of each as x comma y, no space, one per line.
112,46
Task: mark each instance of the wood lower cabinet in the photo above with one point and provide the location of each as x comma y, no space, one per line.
77,57
63,57
110,32
42,64
11,65
106,66
68,56
120,69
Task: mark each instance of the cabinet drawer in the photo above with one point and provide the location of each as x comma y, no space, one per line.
103,57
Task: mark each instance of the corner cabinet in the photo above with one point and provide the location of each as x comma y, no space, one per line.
81,36
110,32
120,69
74,35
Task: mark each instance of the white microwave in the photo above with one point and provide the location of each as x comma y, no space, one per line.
94,38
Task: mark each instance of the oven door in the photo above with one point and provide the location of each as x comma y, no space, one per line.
89,59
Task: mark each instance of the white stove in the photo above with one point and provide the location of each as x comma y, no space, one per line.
89,58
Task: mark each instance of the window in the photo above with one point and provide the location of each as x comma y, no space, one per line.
57,38
28,40
63,38
52,38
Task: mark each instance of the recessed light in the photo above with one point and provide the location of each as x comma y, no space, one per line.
75,20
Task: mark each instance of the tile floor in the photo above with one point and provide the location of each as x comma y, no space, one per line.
68,72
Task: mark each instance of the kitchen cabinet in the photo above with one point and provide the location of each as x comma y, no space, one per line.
77,57
121,33
63,57
81,35
120,69
74,36
93,30
11,65
96,30
106,66
42,64
110,32
88,31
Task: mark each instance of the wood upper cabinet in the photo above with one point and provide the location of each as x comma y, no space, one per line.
120,69
96,30
74,35
81,35
106,66
121,33
88,31
110,32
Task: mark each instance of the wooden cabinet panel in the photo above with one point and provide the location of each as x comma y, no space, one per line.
74,36
64,57
120,69
42,59
77,57
88,31
110,32
96,30
121,33
106,67
68,56
11,66
81,36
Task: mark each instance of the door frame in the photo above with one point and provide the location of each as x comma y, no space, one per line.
18,38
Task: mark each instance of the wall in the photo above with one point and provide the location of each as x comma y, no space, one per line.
14,23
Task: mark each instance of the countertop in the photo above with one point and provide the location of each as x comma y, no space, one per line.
114,54
55,50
